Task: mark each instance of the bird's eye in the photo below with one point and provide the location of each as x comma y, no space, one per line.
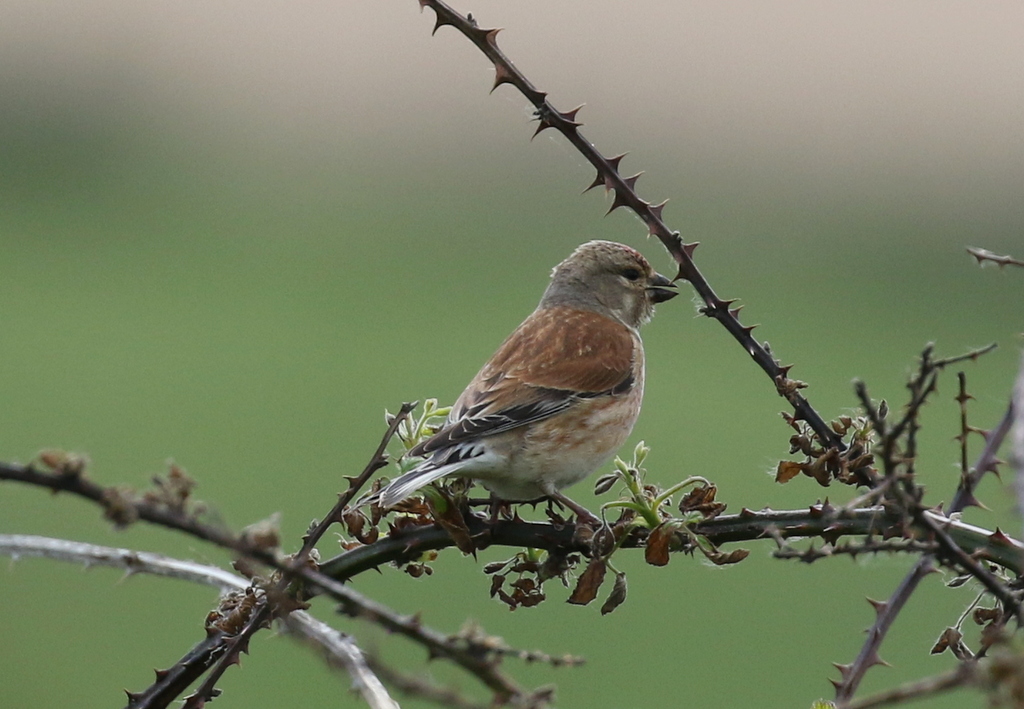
631,274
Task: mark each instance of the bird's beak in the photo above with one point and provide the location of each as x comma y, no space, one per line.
662,289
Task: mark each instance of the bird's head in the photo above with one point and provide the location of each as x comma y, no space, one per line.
611,279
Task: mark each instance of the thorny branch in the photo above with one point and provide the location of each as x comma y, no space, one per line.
268,601
887,611
339,650
983,255
962,674
819,520
625,195
68,475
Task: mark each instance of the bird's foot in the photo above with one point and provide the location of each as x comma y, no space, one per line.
583,515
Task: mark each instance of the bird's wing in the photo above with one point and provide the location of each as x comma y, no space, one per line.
557,357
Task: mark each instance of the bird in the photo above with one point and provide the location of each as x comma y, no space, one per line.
560,395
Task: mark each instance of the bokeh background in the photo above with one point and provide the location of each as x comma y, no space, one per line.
232,234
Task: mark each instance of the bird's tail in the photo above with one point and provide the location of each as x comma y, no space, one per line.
407,483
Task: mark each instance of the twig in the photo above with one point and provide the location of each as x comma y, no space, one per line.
983,255
868,546
421,687
131,561
266,609
963,674
823,521
198,661
377,461
608,175
338,649
818,520
110,498
472,657
886,612
952,551
985,463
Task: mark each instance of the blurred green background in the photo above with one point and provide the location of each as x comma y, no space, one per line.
231,235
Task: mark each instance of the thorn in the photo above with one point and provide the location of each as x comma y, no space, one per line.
570,116
619,201
876,660
971,501
879,606
688,249
161,675
491,35
656,209
748,329
681,275
475,33
537,98
543,125
844,670
614,162
598,181
631,181
439,22
501,76
837,684
1000,538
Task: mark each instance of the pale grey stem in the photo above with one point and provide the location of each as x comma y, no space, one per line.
132,562
339,648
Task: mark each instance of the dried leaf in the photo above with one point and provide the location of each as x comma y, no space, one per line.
982,616
617,596
720,558
702,500
788,470
656,552
951,637
589,582
446,514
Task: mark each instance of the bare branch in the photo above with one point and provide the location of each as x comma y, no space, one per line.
338,649
886,612
983,255
268,602
817,521
129,560
963,674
